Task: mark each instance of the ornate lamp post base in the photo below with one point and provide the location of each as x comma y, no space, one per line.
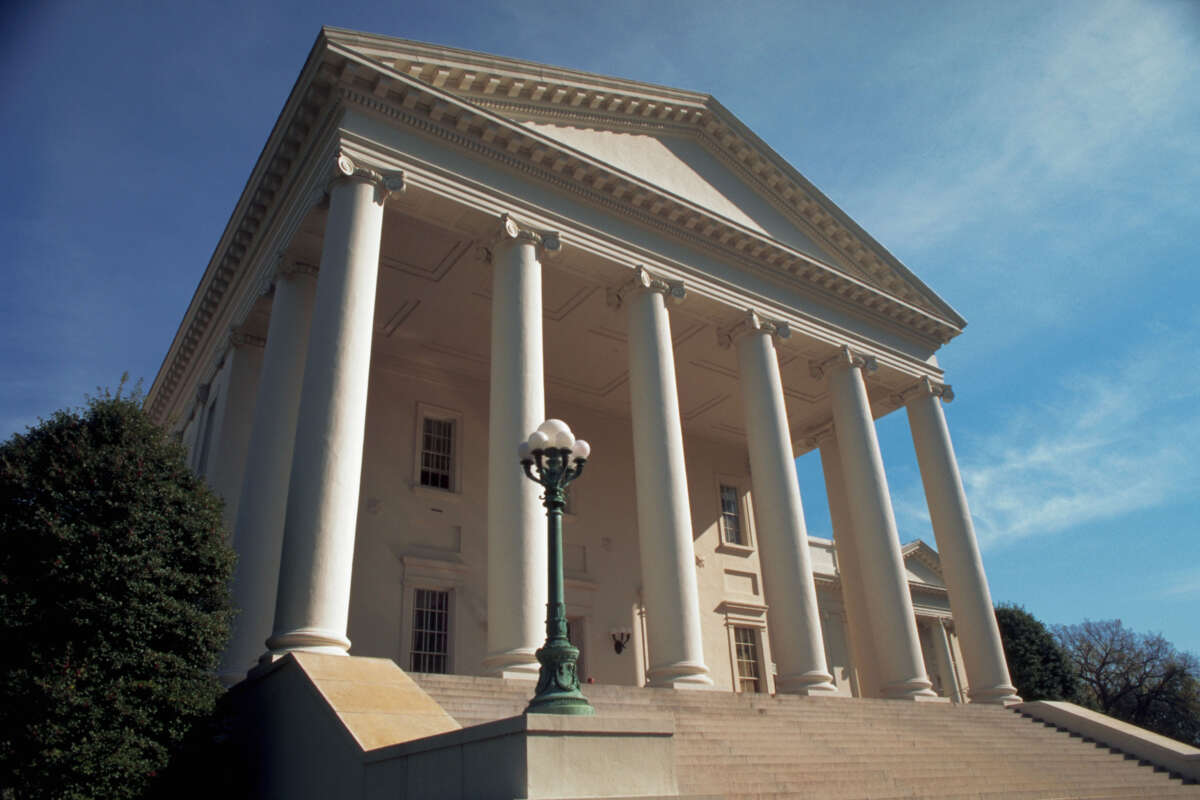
558,458
558,683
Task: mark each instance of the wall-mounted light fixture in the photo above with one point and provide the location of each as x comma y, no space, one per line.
620,638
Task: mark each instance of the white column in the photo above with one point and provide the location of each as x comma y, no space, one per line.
313,602
966,583
845,542
516,527
791,595
258,531
231,437
945,658
663,509
897,646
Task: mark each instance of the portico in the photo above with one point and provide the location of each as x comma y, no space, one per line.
455,259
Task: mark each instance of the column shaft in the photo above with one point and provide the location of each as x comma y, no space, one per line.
795,625
258,531
845,542
313,601
664,513
516,532
941,641
230,440
898,649
962,566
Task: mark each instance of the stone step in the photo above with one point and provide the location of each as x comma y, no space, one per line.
744,747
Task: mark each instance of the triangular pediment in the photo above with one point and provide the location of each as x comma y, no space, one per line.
922,563
681,165
684,143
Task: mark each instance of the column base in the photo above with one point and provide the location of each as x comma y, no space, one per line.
917,689
1003,695
806,683
520,664
309,640
683,675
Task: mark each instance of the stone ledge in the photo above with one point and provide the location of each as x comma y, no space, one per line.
1146,745
532,756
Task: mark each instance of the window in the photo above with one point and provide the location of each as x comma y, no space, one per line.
749,672
431,631
731,516
437,449
437,453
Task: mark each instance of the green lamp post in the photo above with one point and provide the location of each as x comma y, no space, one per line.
557,458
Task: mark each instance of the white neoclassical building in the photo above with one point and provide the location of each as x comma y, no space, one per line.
438,249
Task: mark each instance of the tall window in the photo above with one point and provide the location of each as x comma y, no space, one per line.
749,672
431,631
731,515
437,453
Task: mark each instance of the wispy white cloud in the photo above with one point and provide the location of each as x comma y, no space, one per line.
1109,440
1181,583
1065,109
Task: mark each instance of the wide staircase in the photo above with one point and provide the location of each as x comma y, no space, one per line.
752,747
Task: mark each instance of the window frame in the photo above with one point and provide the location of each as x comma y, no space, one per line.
438,575
745,507
410,622
428,411
760,677
752,616
447,633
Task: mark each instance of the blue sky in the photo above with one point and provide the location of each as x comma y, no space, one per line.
1037,164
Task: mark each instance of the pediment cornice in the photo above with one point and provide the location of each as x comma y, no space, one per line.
459,121
526,90
922,552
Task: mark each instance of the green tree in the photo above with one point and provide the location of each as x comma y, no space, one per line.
1137,677
113,602
1038,667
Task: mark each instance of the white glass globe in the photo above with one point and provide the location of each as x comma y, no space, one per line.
524,451
553,426
581,450
538,441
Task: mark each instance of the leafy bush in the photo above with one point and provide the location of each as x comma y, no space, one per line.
1037,665
113,602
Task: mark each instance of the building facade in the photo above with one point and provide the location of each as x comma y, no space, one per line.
439,249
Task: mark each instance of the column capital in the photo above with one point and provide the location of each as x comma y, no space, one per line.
815,437
752,322
293,268
925,387
844,357
645,281
387,183
240,337
549,243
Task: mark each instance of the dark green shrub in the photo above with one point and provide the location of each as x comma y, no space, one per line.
1037,665
113,602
